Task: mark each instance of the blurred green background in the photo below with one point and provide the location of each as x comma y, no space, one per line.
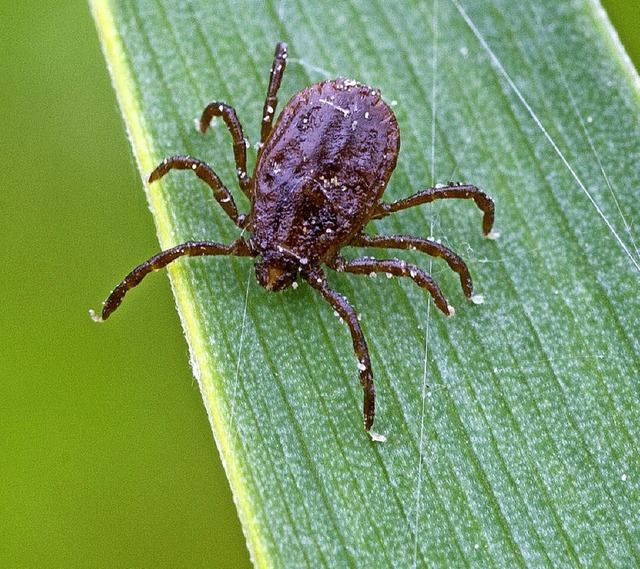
106,455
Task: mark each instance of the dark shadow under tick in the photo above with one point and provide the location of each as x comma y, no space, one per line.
320,174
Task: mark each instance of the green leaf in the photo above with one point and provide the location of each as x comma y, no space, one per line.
512,429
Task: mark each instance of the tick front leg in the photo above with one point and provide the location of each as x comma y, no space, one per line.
398,268
275,78
317,280
206,174
425,246
238,248
458,191
228,114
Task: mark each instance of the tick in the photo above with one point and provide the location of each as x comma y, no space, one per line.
320,173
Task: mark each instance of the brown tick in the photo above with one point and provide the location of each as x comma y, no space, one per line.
318,179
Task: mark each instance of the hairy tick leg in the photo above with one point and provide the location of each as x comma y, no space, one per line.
398,268
423,245
317,280
456,191
207,175
275,78
228,114
238,248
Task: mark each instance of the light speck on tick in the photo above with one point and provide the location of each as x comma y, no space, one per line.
377,437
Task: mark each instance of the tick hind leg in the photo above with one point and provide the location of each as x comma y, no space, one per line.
317,280
206,174
228,114
459,191
271,100
423,245
189,249
397,268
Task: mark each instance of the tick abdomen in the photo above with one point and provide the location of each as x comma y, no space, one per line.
324,168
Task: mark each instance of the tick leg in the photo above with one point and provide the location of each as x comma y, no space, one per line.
317,280
398,268
239,248
205,173
275,78
425,246
228,114
483,201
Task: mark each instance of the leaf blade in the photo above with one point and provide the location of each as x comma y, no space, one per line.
275,416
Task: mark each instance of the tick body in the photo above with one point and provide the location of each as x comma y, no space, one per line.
319,177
